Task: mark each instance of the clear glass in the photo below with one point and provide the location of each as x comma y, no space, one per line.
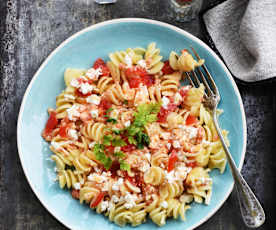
185,10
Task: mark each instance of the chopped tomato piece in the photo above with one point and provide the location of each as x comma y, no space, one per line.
65,125
163,113
128,148
97,200
138,75
99,63
191,120
75,193
184,92
109,149
105,104
172,159
148,80
167,69
137,180
51,123
191,164
114,168
135,82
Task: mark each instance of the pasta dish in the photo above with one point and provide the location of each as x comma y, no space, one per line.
130,141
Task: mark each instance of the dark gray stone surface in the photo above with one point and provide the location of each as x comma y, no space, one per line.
31,29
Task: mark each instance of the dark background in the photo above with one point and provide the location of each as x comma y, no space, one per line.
31,29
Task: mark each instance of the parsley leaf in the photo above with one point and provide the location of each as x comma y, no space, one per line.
108,110
100,156
116,131
107,139
112,120
119,154
125,102
124,166
118,142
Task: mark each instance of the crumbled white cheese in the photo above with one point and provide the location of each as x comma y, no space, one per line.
117,149
73,133
192,132
164,204
128,61
69,96
170,176
115,199
104,205
86,88
94,113
144,167
97,178
165,102
181,172
165,135
94,74
148,156
77,186
203,180
127,124
142,63
169,145
105,187
73,113
93,99
75,83
117,184
176,144
106,173
130,201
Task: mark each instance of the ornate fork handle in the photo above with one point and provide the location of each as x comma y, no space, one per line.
252,212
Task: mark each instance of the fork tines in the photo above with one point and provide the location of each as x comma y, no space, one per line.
206,78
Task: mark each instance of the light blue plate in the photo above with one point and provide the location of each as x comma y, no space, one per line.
80,51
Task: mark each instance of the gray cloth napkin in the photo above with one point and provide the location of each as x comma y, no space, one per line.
244,33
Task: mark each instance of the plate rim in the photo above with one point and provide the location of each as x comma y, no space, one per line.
130,20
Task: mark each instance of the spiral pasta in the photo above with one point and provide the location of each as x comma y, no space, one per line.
130,142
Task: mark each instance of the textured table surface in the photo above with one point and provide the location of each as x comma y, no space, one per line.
31,29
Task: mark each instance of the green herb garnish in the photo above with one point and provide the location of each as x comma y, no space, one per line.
100,156
120,154
123,165
112,120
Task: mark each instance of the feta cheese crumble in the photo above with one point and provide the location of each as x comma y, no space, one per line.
75,83
130,200
127,124
93,99
94,113
94,74
77,186
117,184
142,63
176,144
128,61
148,156
91,145
115,199
73,113
104,205
73,133
165,102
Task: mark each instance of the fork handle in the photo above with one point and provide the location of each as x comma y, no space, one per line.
252,212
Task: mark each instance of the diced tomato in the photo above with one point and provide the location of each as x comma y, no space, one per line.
65,125
135,82
109,149
163,113
99,63
184,92
105,104
172,159
148,80
97,200
167,69
191,164
191,120
137,75
114,168
51,123
128,148
137,180
75,193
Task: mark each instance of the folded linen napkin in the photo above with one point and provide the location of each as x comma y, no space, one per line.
244,33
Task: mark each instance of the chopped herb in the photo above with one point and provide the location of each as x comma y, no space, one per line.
116,131
112,120
131,140
107,140
118,142
100,156
108,110
125,102
124,166
119,154
71,167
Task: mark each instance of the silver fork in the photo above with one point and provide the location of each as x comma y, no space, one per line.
252,212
